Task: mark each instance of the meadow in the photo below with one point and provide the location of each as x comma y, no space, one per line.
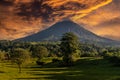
84,69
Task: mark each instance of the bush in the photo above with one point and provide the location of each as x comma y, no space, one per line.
113,58
55,60
40,63
89,54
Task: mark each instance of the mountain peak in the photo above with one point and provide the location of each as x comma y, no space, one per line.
67,21
67,24
55,32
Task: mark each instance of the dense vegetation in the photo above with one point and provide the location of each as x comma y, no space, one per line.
68,53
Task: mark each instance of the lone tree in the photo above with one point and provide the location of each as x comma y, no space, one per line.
40,52
69,47
20,56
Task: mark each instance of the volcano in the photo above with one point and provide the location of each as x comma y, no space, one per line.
55,32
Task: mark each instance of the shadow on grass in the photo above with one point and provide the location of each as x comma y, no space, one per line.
2,72
83,69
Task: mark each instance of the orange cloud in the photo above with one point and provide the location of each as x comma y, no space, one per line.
20,18
105,21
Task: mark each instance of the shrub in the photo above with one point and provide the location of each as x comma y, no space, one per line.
40,63
113,58
89,54
55,60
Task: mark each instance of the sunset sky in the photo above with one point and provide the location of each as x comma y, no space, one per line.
20,18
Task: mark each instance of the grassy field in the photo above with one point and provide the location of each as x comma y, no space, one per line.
84,69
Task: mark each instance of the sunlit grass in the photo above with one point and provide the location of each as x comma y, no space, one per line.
84,69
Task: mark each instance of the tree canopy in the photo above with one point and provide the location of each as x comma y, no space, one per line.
69,46
20,56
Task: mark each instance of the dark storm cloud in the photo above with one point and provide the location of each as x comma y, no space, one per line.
23,17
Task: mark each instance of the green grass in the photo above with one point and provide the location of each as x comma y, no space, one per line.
84,69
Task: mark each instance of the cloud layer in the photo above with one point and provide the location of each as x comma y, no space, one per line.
19,18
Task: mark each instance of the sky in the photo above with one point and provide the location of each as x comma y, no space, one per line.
20,18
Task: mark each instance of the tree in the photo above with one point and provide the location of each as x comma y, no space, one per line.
20,56
40,52
69,47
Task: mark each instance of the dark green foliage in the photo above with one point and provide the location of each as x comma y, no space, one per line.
55,60
54,50
40,62
89,50
5,45
69,47
113,57
20,56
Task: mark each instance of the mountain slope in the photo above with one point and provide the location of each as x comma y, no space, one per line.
55,32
